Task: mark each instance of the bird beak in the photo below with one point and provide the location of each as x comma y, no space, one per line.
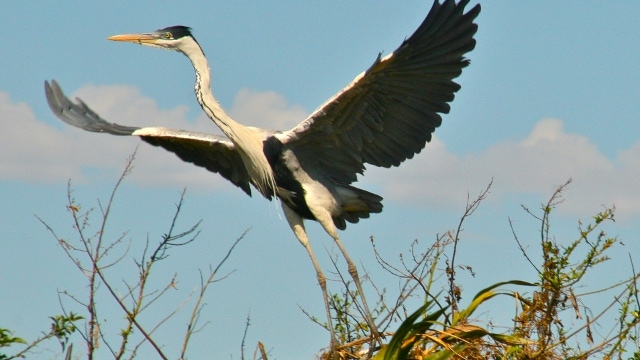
142,39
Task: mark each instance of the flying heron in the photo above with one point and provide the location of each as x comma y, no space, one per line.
383,117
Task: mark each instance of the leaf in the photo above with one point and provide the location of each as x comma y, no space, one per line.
407,334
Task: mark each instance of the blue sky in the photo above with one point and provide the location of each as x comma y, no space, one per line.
551,94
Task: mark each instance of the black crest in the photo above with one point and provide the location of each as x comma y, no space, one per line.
177,31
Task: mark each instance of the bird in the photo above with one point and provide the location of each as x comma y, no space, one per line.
383,117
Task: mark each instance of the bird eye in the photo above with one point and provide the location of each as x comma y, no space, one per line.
167,35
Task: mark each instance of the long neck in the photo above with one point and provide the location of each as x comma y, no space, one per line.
205,97
248,141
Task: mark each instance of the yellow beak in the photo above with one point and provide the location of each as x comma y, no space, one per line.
135,38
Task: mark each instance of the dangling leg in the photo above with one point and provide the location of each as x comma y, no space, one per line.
327,223
295,221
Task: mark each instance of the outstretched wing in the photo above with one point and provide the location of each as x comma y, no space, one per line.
387,114
212,152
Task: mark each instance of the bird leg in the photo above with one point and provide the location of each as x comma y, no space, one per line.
353,271
327,223
297,225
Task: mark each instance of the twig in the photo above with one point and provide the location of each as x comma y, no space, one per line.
244,335
454,293
196,309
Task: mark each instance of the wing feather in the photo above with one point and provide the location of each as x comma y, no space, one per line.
212,152
388,113
79,114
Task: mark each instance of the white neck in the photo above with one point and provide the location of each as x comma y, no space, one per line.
247,140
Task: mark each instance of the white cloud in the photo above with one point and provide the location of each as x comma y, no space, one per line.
535,165
31,150
266,110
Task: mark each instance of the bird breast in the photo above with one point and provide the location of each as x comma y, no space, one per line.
299,190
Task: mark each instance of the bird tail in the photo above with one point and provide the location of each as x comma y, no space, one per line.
356,204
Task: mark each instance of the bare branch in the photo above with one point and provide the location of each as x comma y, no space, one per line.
196,309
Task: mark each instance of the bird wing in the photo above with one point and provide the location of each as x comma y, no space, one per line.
212,152
387,114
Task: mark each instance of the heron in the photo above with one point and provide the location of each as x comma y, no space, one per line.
385,116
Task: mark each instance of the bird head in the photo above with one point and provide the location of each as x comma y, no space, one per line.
177,38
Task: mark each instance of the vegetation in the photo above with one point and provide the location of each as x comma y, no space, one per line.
92,253
552,320
441,329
